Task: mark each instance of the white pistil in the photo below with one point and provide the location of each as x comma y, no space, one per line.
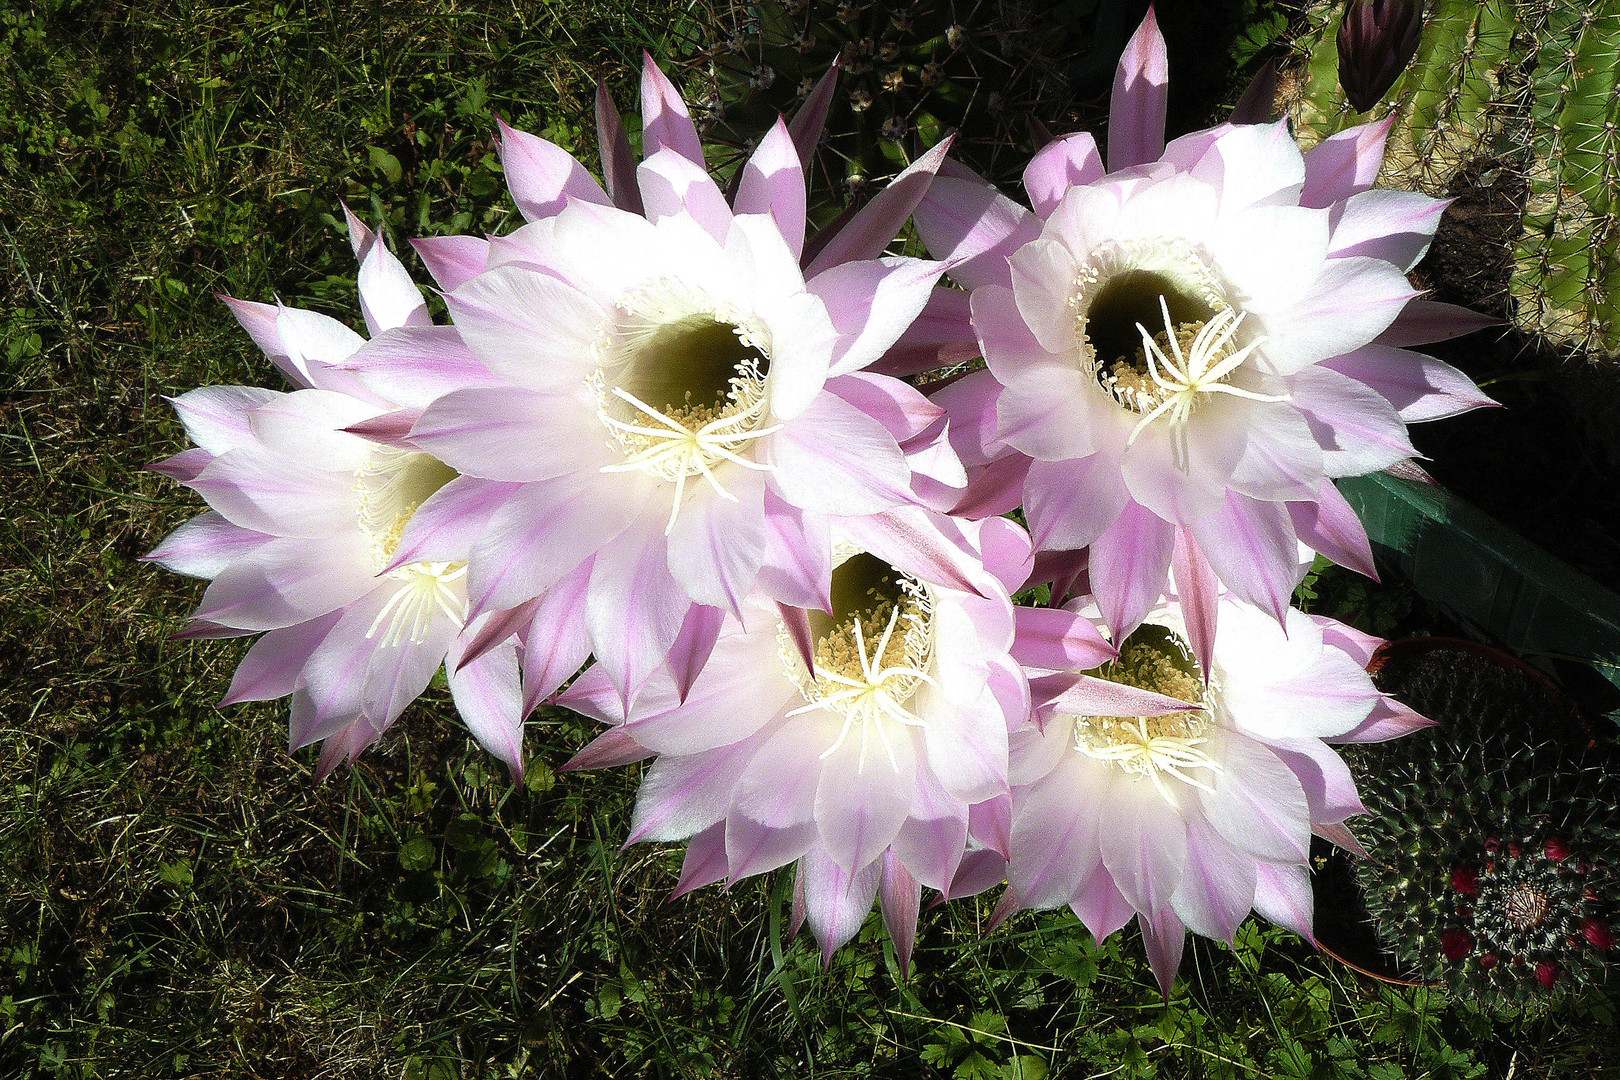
869,699
1202,370
425,591
1136,749
679,451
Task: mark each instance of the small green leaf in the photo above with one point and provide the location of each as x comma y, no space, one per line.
416,853
385,163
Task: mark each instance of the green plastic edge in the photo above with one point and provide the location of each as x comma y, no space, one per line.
1490,579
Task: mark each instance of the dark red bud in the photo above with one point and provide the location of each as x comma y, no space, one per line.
1491,844
1583,867
1518,961
1557,850
1465,881
1377,39
1596,933
1456,944
1546,974
1514,849
1488,961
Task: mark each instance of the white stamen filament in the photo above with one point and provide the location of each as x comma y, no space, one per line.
679,451
424,592
1201,371
874,696
1136,749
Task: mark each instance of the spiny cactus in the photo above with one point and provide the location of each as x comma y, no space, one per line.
912,70
1453,103
1533,84
1566,263
1493,838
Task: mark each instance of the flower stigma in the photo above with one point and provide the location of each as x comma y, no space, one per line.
870,655
1157,659
680,387
1123,285
389,487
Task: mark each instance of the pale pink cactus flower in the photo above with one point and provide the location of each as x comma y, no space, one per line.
682,395
1185,348
305,519
867,744
1188,818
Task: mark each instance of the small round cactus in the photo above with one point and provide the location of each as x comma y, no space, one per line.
1494,838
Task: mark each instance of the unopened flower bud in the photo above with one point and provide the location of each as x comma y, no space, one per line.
1596,933
1377,39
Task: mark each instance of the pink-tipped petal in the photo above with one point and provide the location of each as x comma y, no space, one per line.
608,750
665,122
1253,549
1339,836
836,901
1071,161
797,565
834,459
1058,640
1418,386
1424,321
693,645
974,227
900,897
489,697
1389,719
453,260
877,223
1199,595
1283,895
618,160
204,546
871,304
273,665
1344,164
1136,110
672,185
216,418
555,644
1164,936
635,609
717,545
493,629
1217,889
811,119
705,861
1330,527
1130,562
773,182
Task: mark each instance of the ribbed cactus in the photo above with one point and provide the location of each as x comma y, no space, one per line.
1494,838
1454,102
1531,84
912,70
1566,263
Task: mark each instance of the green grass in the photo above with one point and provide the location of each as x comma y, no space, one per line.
180,899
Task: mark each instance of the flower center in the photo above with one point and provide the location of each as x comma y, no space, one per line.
1158,334
681,386
388,489
871,654
1153,658
1524,906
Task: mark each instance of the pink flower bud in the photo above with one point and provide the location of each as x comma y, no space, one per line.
1546,974
1465,881
1557,850
1377,39
1596,933
1456,944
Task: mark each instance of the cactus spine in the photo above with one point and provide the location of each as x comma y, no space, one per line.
1529,82
1493,841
